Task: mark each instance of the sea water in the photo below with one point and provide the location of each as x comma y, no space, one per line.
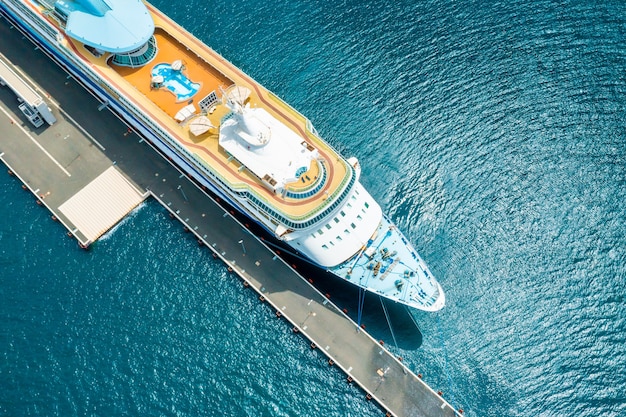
491,132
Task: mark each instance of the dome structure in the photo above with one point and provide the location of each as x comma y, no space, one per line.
116,26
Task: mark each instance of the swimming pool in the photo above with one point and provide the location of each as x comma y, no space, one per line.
176,81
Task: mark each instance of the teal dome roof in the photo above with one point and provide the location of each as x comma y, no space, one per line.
115,26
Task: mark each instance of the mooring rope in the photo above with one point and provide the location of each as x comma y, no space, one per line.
360,306
388,321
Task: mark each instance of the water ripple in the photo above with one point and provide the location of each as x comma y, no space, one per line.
492,133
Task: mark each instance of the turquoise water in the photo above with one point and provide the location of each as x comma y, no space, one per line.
176,81
492,133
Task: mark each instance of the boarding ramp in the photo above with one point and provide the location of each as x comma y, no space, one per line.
101,204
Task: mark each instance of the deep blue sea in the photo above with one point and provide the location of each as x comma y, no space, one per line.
492,132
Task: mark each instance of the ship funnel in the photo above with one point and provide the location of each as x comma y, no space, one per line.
252,130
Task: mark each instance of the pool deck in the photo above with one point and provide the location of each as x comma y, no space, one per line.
169,50
214,73
175,81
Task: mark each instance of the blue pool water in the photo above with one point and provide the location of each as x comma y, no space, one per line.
491,132
176,81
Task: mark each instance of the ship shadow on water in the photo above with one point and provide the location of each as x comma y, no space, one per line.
394,324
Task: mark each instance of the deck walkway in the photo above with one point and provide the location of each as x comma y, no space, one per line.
363,359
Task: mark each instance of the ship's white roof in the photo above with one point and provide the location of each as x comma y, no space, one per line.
284,157
115,26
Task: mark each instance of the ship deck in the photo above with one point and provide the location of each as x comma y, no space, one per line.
214,74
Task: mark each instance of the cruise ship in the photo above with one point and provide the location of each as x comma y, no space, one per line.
232,136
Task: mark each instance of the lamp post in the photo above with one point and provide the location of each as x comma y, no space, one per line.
243,246
311,313
182,192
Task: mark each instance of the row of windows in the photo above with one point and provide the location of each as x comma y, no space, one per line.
310,222
336,220
139,57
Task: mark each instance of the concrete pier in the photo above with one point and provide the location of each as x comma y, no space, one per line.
90,140
64,167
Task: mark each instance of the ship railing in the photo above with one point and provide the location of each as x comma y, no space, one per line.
265,206
139,57
312,217
34,19
310,189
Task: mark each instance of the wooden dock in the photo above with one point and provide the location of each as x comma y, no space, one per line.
105,142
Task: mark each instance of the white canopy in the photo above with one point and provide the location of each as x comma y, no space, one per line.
177,65
185,113
237,94
200,125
